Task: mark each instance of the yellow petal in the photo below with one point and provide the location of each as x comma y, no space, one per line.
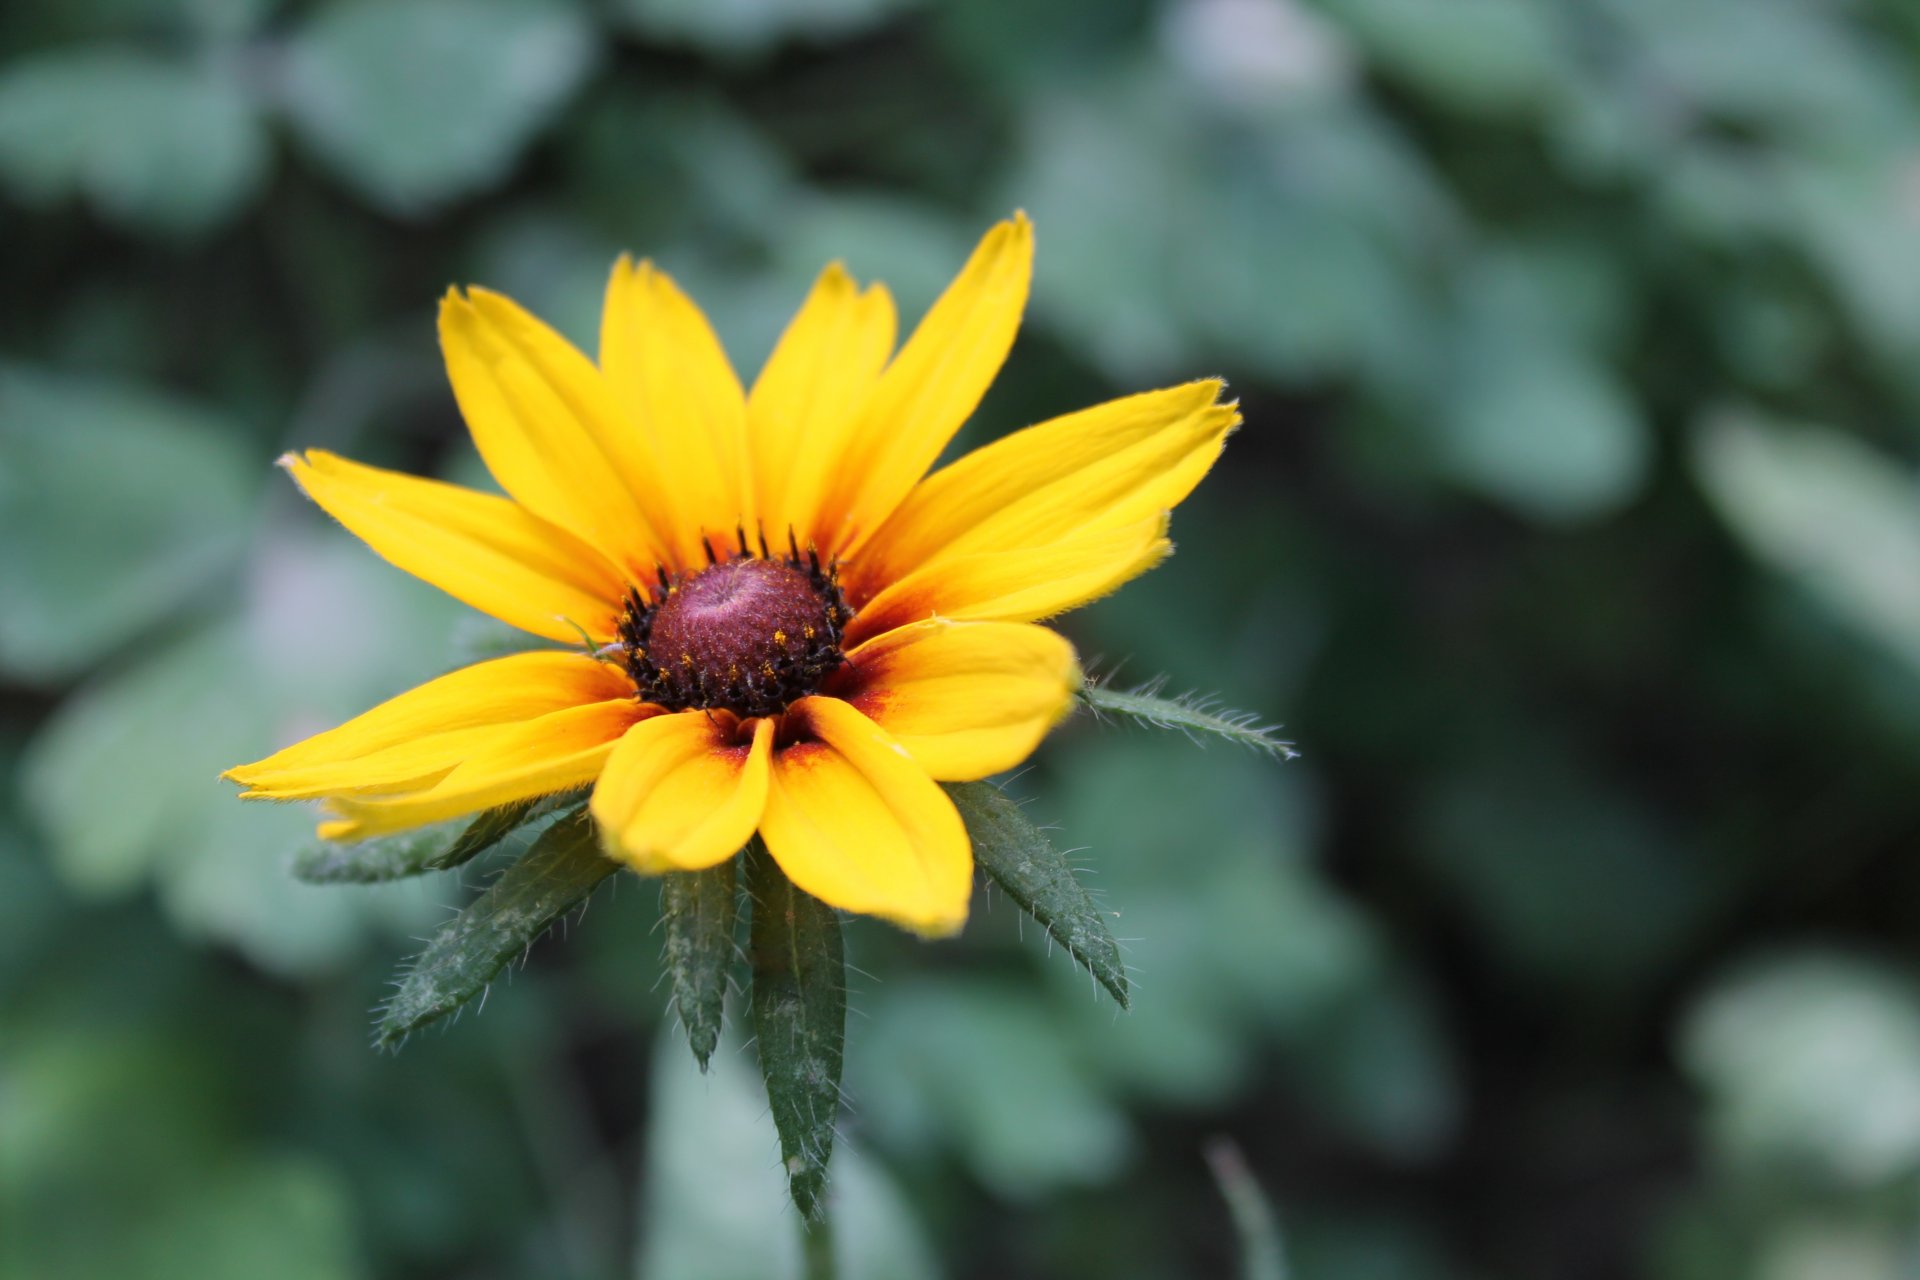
1107,467
480,549
854,821
427,730
966,699
683,792
1021,585
548,427
931,388
672,378
554,752
807,397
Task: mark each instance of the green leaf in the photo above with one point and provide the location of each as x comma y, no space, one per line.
699,909
1834,514
440,847
991,1065
418,102
1492,57
556,875
1809,1060
746,27
149,143
1034,874
1190,713
711,1202
116,507
1543,428
799,1003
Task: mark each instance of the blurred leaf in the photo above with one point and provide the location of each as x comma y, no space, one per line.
1544,429
557,874
1856,222
1843,1245
151,144
1530,414
699,910
714,1203
439,847
325,630
143,18
283,1217
1840,519
1252,54
116,507
1234,942
1812,1062
1474,55
1379,1064
1572,880
119,1157
1803,73
117,735
989,1070
1290,244
1023,862
1191,714
742,28
419,102
799,1001
32,912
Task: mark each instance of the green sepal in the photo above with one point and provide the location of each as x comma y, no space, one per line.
1022,861
1190,713
699,910
799,1002
552,878
440,847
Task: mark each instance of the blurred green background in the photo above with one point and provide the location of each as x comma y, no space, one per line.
1574,534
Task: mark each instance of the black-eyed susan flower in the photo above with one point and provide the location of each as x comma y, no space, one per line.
781,623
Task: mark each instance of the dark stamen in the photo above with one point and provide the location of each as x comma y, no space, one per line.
749,634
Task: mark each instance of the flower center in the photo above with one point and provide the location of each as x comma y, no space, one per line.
750,635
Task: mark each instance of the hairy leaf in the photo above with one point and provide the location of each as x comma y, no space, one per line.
556,875
1022,861
799,1005
699,909
1191,714
439,847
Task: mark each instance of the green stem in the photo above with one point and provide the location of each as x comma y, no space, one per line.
816,1246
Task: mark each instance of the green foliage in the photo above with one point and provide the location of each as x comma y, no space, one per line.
1023,862
1827,510
242,680
556,875
699,911
979,1065
148,142
168,497
799,1001
416,102
1190,714
441,846
733,28
1571,534
714,1201
1811,1064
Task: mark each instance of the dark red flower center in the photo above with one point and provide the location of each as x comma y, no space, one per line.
750,635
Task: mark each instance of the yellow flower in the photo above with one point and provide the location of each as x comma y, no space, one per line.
794,629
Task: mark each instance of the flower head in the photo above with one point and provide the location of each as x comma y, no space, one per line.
789,627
